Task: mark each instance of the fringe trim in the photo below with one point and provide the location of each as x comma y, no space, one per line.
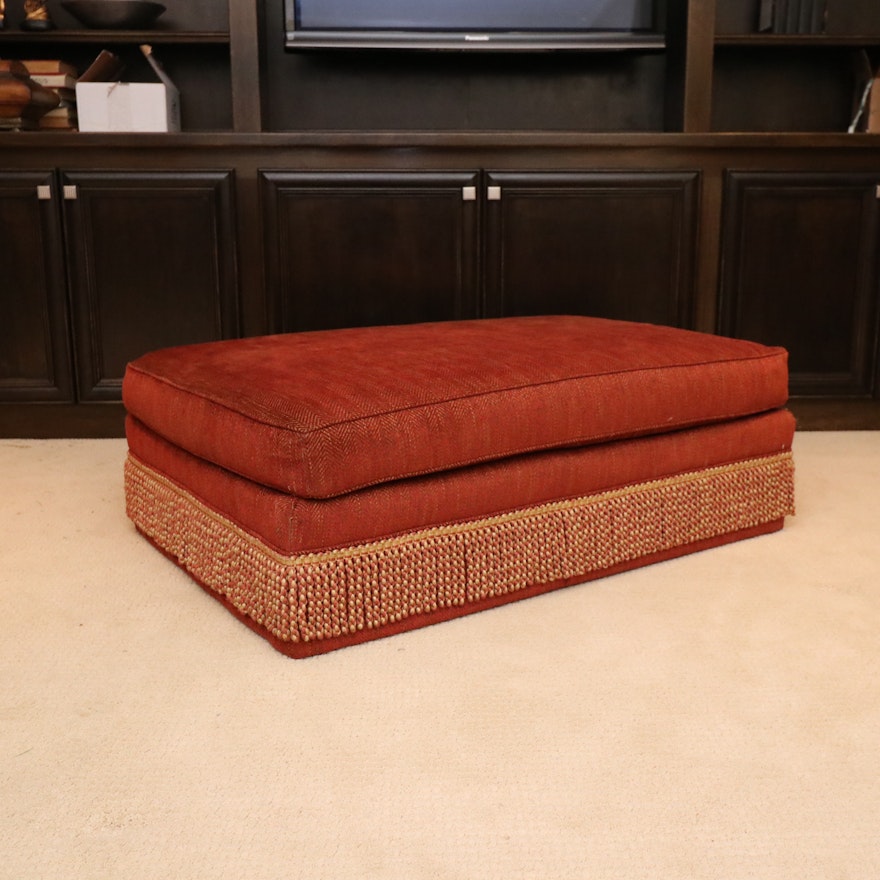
341,592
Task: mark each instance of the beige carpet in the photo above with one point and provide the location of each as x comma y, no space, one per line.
715,717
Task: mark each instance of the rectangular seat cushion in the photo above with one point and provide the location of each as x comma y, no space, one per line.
334,487
324,413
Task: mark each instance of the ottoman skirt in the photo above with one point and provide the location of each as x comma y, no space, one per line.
315,575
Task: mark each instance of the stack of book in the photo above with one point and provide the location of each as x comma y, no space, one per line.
22,101
60,77
792,16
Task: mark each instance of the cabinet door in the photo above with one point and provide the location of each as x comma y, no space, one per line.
360,249
612,245
34,348
800,270
152,264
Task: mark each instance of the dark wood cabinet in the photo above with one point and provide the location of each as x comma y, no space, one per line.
608,244
100,267
800,252
152,263
35,362
355,249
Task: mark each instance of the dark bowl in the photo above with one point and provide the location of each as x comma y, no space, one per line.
114,14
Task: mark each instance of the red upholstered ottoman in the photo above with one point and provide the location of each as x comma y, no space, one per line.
339,486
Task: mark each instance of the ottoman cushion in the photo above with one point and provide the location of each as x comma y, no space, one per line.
332,488
321,414
289,524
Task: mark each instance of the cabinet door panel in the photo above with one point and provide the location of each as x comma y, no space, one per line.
606,244
152,262
800,270
360,249
34,346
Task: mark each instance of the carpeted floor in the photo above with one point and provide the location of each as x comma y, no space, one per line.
716,716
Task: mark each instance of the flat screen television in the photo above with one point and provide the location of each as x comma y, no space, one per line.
472,24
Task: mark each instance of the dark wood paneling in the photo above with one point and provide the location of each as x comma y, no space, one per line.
245,54
610,244
202,76
152,261
355,249
800,270
782,89
45,420
850,17
689,32
34,348
828,414
618,91
736,16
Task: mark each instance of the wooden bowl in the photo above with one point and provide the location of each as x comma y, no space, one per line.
114,14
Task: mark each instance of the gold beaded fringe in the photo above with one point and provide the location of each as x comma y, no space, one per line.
340,592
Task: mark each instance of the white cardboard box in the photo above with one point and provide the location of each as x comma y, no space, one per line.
121,106
118,106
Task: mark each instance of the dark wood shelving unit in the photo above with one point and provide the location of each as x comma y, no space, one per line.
707,182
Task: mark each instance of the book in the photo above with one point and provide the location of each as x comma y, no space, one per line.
17,123
780,16
54,80
105,68
47,66
792,23
765,16
65,111
820,11
62,118
65,94
793,16
21,97
805,19
57,123
812,17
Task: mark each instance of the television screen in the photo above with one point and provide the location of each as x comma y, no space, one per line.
467,23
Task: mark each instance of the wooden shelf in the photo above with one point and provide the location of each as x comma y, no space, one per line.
109,37
781,41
